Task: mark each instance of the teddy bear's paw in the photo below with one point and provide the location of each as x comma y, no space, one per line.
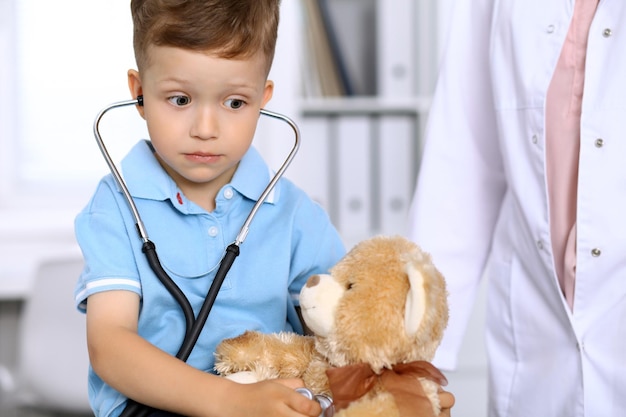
237,354
276,355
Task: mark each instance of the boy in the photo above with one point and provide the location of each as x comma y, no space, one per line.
202,72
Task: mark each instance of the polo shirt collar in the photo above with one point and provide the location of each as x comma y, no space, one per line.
145,178
252,176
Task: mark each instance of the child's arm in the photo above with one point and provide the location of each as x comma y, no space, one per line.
151,376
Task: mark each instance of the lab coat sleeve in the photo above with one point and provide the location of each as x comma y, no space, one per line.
461,182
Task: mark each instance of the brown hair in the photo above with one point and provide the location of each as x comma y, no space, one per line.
229,28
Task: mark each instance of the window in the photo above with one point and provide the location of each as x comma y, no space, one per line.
62,62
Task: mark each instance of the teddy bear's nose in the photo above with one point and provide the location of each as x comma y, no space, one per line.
313,281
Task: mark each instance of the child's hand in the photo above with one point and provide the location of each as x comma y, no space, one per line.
276,398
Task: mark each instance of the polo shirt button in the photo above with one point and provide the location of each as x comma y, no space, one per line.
607,32
599,143
213,231
595,252
228,193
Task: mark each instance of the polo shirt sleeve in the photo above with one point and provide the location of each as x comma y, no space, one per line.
109,248
317,247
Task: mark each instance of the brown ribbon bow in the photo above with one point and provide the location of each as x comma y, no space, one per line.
351,382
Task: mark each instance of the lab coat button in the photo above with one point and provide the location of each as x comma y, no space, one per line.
550,29
595,252
540,244
535,139
213,231
599,143
607,32
228,193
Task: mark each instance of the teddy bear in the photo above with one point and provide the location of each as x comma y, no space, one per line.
376,320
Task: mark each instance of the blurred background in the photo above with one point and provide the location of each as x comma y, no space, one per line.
355,75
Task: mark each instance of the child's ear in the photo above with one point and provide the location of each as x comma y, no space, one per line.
134,85
268,92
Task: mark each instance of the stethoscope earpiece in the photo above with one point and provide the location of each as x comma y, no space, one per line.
140,101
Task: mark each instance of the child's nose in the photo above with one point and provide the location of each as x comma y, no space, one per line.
205,123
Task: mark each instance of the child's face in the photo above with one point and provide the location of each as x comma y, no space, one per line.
201,112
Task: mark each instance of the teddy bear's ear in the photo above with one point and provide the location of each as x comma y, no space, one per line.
415,306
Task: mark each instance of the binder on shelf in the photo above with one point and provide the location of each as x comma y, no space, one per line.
398,167
311,169
325,71
335,47
354,176
311,82
396,48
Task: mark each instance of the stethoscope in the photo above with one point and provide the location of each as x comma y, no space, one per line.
193,325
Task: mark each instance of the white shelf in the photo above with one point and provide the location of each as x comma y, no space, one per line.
363,105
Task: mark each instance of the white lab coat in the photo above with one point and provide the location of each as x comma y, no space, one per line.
482,205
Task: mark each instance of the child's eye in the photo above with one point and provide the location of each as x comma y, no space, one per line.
234,103
179,100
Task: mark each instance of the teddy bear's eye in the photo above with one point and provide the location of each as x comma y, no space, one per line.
349,286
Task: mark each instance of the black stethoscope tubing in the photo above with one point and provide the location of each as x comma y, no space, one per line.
193,324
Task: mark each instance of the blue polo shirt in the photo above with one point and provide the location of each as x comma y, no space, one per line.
290,238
